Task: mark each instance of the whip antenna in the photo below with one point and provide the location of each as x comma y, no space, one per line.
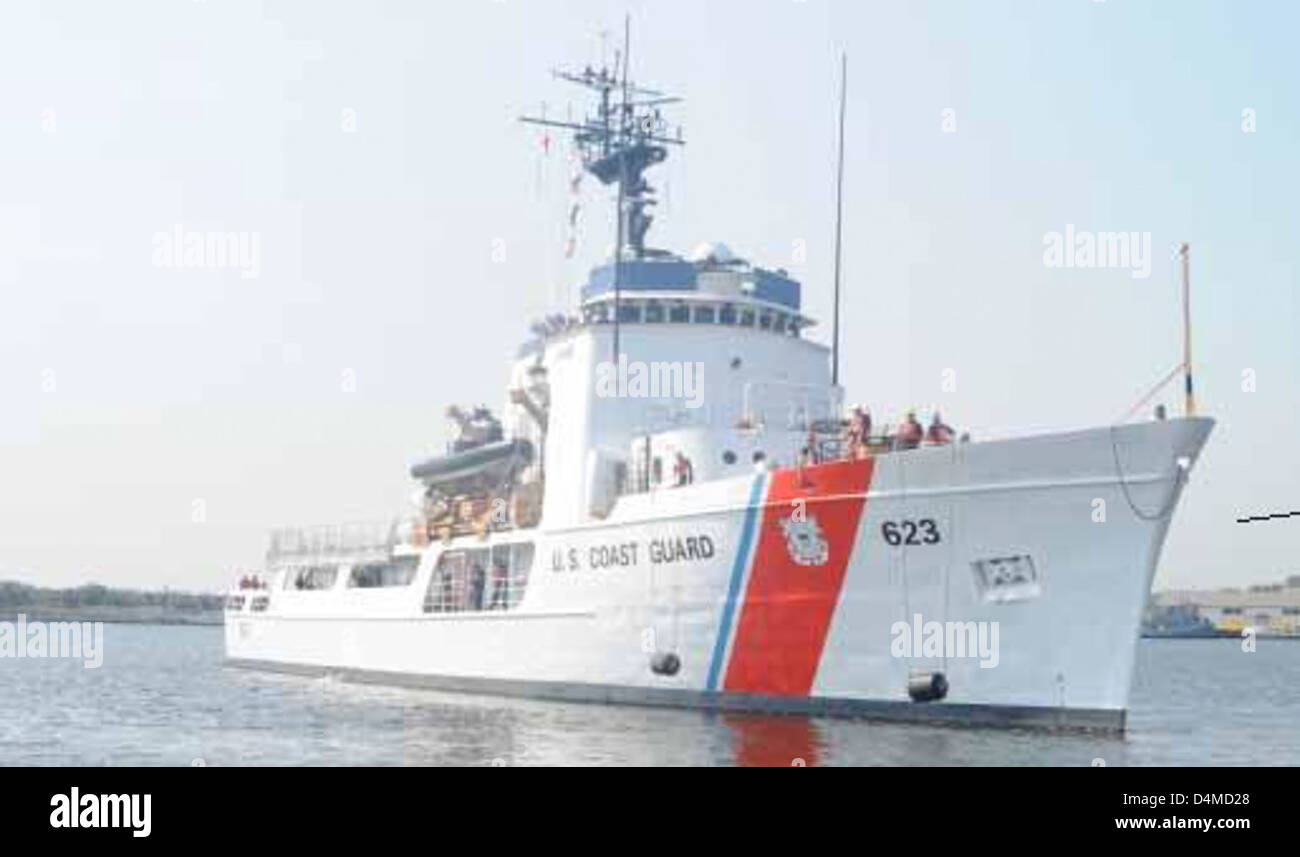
839,210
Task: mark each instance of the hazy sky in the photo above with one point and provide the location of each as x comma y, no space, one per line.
373,151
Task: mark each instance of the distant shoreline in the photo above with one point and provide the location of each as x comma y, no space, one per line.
112,615
95,602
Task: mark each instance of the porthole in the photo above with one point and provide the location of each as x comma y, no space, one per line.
728,457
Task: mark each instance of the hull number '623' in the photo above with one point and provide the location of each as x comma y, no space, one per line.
922,532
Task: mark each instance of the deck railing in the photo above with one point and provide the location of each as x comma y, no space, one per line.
352,540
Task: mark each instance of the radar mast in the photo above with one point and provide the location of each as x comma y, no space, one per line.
625,137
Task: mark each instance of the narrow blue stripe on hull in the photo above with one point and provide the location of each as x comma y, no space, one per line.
733,586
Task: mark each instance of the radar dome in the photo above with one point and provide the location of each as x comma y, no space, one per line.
714,251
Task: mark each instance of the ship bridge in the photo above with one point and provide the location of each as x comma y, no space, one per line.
713,287
670,358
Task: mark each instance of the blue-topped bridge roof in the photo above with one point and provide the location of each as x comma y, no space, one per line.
670,275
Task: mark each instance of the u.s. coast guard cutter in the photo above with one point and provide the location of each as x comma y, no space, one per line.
669,512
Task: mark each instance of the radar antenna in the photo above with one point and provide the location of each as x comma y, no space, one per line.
626,136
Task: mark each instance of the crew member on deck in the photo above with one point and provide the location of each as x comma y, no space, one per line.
859,434
812,451
500,585
910,433
683,473
477,577
938,432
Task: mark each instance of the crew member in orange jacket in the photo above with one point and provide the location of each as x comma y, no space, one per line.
938,432
910,433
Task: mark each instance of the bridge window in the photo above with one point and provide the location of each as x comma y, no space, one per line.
479,579
398,571
655,311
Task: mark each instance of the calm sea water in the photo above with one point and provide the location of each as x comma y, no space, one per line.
163,697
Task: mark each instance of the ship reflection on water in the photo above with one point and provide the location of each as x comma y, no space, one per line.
766,741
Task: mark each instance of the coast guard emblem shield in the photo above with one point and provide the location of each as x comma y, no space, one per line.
805,542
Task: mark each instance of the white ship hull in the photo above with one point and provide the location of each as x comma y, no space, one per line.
1072,525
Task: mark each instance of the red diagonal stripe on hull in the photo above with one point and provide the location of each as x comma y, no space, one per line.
788,607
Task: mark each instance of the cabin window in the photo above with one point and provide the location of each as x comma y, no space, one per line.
728,457
779,325
479,579
629,313
260,603
704,315
398,571
449,586
312,577
679,314
235,602
511,565
765,321
654,312
727,315
747,318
